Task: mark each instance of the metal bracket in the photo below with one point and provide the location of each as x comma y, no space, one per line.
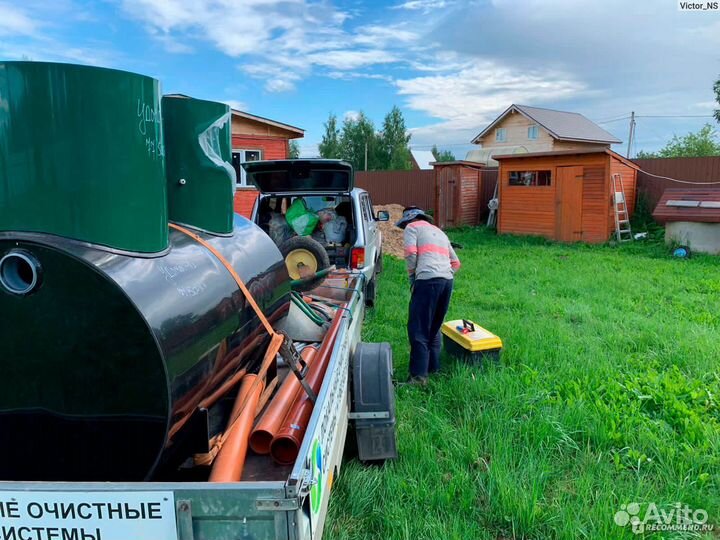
297,365
277,505
368,415
184,520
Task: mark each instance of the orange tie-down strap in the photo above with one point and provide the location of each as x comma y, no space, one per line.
276,340
233,273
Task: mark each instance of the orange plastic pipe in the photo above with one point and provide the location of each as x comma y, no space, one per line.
285,445
230,461
290,391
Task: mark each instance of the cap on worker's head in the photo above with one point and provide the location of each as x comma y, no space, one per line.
410,214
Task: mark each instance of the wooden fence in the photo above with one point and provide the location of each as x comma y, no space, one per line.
701,169
399,187
419,187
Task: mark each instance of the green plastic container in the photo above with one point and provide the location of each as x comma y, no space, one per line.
200,176
81,155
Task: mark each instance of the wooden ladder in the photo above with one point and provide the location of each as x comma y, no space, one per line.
623,232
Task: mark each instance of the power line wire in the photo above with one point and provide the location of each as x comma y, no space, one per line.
679,181
674,116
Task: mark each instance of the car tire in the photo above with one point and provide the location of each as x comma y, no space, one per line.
312,253
371,292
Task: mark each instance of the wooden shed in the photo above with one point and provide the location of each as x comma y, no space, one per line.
462,189
565,196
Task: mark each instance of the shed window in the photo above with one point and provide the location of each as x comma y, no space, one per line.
500,135
532,132
530,178
241,156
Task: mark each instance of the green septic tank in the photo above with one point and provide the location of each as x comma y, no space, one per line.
81,155
200,176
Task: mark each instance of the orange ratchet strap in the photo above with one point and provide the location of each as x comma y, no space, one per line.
233,273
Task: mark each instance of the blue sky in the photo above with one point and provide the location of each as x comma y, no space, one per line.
450,65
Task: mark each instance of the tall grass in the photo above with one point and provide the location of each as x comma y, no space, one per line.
607,393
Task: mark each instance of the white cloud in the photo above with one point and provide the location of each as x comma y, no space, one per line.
35,32
351,59
382,36
424,5
351,115
234,104
279,85
14,21
466,100
280,76
349,75
281,41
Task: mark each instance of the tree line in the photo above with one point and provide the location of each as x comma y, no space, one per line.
358,142
704,142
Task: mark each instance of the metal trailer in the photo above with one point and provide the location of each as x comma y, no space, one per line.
294,508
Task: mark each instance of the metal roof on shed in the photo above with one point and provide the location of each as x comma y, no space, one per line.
689,204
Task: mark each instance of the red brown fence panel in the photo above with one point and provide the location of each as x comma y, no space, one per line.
700,169
407,188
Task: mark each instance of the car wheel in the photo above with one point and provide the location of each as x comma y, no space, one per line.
304,256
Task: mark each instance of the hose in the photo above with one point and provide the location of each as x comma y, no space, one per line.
322,273
312,315
307,310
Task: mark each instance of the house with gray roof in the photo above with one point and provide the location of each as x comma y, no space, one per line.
522,129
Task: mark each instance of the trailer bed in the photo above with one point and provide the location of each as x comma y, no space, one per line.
292,505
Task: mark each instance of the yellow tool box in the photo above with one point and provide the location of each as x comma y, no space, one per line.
470,342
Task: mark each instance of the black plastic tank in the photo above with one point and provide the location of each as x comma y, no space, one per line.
103,355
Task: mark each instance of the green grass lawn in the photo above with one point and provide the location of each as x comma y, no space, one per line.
608,392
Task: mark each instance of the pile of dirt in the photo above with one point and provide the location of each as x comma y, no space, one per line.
392,235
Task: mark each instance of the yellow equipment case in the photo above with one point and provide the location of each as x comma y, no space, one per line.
470,342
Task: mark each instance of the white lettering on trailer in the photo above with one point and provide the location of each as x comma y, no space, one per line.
51,515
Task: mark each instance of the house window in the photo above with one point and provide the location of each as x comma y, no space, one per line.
532,132
529,178
500,135
242,156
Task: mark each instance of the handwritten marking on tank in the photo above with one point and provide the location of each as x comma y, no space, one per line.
150,126
154,147
173,270
191,291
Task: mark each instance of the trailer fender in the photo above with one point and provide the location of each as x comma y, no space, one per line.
373,402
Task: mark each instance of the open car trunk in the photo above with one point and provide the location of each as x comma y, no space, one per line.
324,187
271,218
294,176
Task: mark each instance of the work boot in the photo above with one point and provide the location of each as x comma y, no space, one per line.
417,380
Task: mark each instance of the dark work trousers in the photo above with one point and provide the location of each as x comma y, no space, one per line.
428,306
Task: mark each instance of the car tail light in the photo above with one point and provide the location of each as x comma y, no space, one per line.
357,258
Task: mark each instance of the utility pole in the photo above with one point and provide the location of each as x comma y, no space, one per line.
631,135
366,155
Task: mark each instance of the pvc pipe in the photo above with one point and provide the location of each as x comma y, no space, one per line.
230,461
285,445
281,403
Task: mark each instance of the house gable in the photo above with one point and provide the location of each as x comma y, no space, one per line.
516,127
245,124
556,130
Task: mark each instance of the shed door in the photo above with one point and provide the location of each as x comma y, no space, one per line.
568,204
447,196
